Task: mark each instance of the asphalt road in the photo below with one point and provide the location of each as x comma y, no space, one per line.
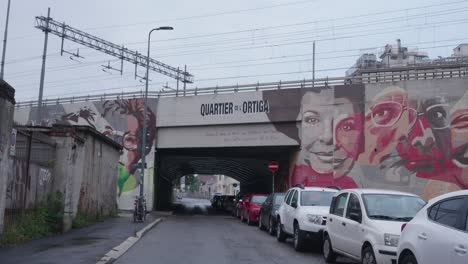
196,234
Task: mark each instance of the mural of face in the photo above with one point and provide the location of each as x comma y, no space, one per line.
459,133
131,110
330,133
426,150
386,122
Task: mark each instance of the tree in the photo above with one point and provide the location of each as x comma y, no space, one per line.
192,183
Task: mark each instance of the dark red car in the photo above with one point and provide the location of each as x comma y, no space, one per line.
240,204
251,208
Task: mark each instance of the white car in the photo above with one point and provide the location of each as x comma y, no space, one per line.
302,215
438,233
365,224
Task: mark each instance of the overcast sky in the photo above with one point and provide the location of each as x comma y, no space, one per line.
221,42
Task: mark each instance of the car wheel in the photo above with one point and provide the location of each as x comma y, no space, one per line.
328,253
260,225
271,227
409,259
299,242
280,235
368,256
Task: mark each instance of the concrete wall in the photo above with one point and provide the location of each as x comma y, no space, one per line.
86,167
6,121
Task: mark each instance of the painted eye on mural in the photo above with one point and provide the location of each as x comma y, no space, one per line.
346,125
460,122
130,141
437,117
386,114
311,119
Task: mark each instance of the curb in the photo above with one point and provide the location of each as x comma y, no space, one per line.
118,251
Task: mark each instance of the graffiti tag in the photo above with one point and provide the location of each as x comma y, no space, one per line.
44,176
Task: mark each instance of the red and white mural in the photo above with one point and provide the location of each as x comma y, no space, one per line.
409,136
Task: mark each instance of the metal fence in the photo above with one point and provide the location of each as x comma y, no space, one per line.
30,181
368,76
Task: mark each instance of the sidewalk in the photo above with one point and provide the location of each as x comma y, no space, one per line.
84,245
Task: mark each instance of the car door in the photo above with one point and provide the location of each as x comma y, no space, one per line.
351,225
283,211
265,209
335,219
291,212
434,239
459,253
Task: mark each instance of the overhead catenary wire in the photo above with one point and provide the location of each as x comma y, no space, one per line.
85,64
204,15
375,13
321,29
211,51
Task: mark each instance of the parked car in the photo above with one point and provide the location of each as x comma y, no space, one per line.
267,218
302,215
227,203
215,200
365,224
251,208
438,233
240,204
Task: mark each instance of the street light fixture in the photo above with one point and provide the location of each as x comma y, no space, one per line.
143,148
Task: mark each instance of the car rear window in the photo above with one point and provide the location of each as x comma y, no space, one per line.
279,199
316,198
258,199
392,207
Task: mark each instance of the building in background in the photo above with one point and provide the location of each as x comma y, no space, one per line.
396,59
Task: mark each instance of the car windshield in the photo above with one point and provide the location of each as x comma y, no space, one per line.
258,199
316,198
392,207
279,199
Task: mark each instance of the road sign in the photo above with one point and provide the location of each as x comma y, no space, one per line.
273,166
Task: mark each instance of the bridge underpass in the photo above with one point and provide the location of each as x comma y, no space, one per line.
248,165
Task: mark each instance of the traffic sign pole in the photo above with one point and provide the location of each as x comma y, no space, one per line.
273,181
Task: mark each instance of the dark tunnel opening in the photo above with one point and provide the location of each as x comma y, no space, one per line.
248,165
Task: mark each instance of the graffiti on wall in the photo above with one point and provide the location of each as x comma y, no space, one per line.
44,176
404,136
121,120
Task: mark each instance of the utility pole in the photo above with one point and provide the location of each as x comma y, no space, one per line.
177,89
5,42
44,57
143,137
185,83
313,66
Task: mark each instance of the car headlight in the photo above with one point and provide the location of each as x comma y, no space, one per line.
316,219
391,240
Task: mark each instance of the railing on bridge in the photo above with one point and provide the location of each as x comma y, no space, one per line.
391,75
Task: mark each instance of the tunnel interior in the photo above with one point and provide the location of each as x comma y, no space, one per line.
248,165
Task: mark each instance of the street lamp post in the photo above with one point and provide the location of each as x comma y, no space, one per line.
143,143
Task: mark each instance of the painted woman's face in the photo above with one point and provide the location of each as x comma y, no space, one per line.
459,133
387,121
330,133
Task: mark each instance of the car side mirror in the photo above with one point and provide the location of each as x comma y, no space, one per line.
355,216
294,204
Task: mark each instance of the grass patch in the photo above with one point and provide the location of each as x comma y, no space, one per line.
83,219
43,221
